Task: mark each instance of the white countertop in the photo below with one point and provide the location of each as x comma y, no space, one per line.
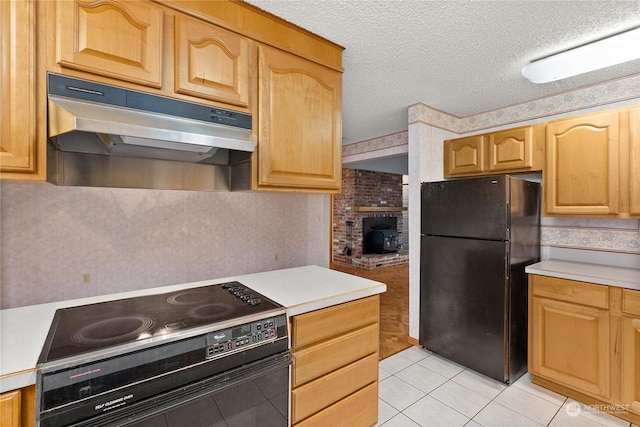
23,330
622,277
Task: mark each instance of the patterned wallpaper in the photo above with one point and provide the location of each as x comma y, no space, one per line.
587,97
615,236
129,239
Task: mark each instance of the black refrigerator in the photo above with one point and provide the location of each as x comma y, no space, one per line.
477,237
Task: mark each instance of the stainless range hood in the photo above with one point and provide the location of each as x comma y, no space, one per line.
107,136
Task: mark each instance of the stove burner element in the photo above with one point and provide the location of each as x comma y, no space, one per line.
209,311
192,296
114,330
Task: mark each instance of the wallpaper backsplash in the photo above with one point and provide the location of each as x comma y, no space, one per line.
60,243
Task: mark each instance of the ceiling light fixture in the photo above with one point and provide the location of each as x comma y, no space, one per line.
602,53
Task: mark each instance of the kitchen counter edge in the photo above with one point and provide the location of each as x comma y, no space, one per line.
299,289
622,277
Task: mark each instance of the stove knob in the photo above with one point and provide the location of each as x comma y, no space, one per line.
246,297
227,285
254,301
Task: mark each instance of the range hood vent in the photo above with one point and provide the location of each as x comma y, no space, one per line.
99,134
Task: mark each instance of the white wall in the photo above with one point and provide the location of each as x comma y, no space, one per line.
425,165
129,239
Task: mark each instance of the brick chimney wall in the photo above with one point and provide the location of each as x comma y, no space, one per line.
361,189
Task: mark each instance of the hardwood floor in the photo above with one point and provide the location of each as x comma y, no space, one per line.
394,304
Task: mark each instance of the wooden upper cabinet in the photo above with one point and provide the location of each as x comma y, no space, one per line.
582,165
634,162
464,156
211,62
18,143
300,123
121,40
511,149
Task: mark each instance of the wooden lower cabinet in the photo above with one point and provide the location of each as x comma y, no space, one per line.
631,350
584,342
335,369
17,407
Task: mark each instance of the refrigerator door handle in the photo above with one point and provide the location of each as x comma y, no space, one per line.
506,262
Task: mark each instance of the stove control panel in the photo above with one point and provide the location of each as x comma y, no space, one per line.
239,337
243,293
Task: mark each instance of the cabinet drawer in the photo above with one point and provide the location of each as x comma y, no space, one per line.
320,324
320,359
631,301
359,409
570,291
323,392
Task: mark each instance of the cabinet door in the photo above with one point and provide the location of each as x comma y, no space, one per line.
10,405
17,88
300,128
569,344
464,156
211,62
631,349
582,169
511,149
119,39
634,166
631,363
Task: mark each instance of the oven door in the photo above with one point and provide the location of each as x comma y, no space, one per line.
255,395
252,395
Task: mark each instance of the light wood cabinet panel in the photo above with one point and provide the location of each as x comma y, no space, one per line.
318,325
17,407
570,345
464,156
585,346
321,393
299,120
18,143
10,408
335,354
582,165
634,162
511,149
320,359
570,291
211,62
355,410
118,39
631,363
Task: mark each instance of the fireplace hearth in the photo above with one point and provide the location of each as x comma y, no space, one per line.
374,198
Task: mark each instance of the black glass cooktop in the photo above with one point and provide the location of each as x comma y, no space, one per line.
93,327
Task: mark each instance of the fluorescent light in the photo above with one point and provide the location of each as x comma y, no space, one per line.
603,53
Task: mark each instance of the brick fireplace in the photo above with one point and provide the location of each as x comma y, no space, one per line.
370,195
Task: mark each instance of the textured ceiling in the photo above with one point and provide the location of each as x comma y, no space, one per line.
460,57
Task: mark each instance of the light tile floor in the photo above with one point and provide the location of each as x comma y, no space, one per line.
418,388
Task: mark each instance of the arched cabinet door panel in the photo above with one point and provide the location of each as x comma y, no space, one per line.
582,166
300,128
117,39
211,62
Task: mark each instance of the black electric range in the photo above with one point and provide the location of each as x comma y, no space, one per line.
116,361
130,322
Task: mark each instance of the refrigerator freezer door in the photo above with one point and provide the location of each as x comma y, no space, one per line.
474,208
463,289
